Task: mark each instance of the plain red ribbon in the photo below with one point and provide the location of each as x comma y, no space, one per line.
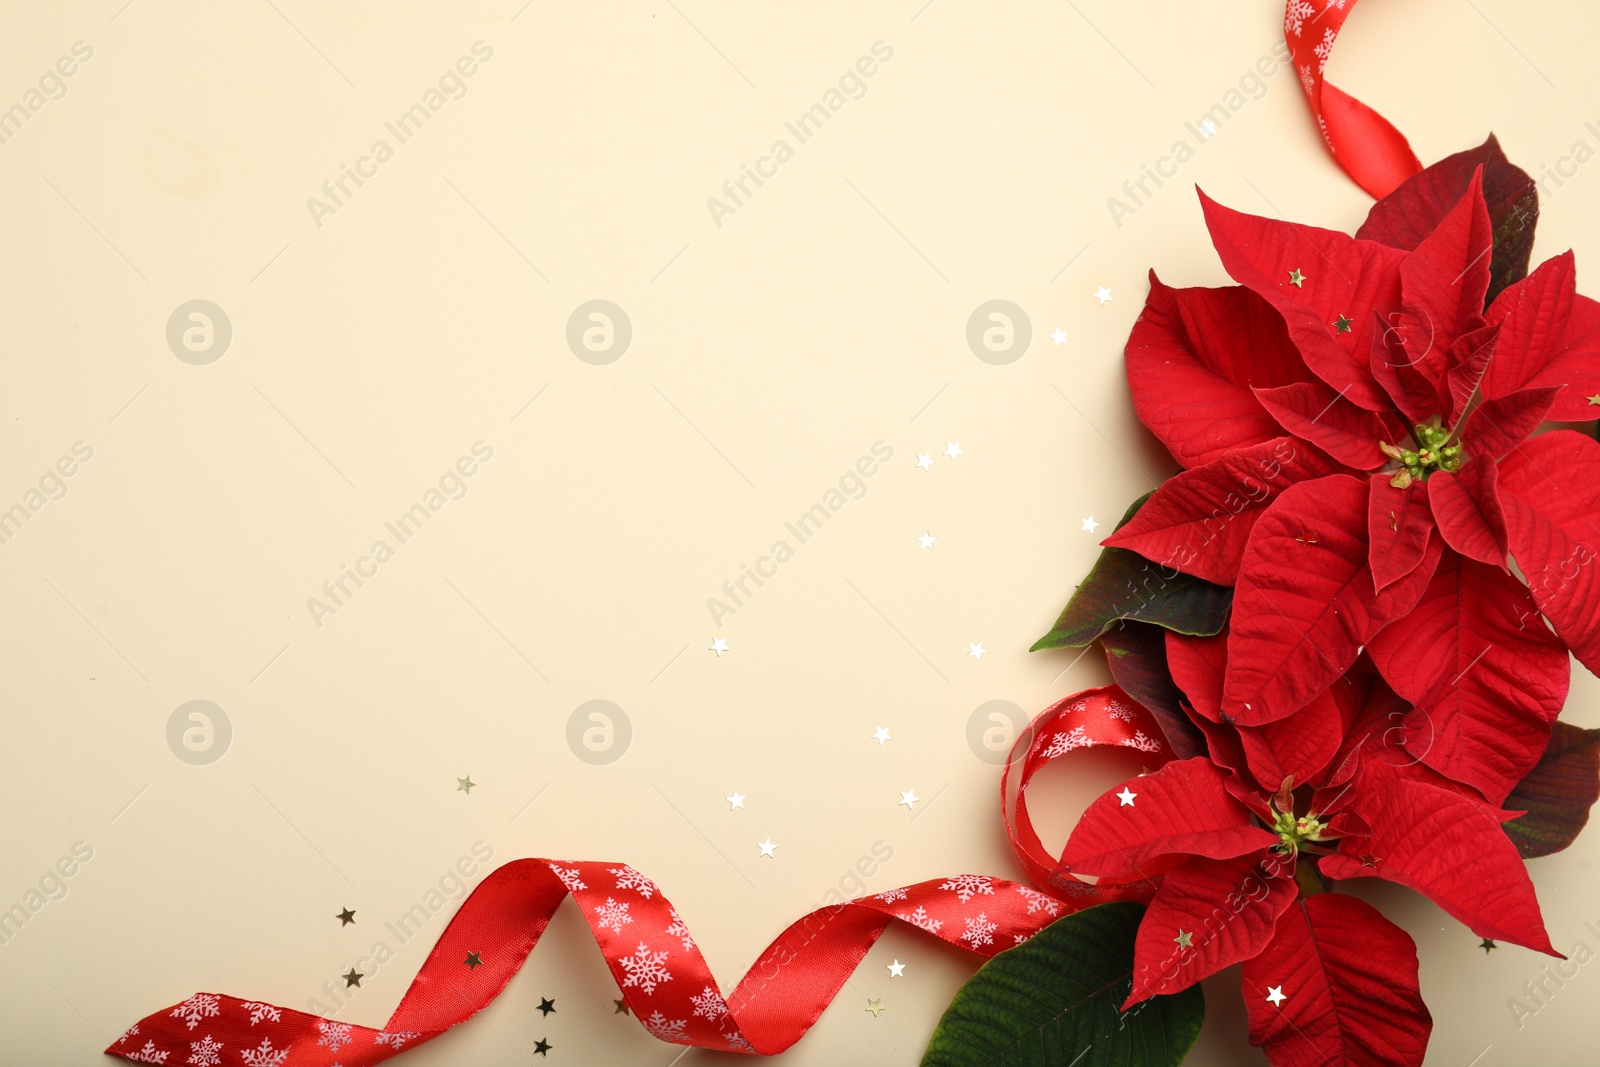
651,952
1362,141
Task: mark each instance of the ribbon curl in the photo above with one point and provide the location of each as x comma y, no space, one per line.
651,953
1362,142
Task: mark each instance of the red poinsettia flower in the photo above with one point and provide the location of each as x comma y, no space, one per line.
1244,867
1355,430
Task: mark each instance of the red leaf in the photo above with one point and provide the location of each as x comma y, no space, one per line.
1410,213
1399,524
1497,426
1197,522
1305,603
1346,280
1466,507
1448,848
1443,282
1577,368
1313,411
1486,677
1227,908
1469,359
1549,336
1410,360
1350,996
1198,665
1192,358
1550,490
1182,809
1298,746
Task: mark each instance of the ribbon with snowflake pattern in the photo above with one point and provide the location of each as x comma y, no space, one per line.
1362,141
663,977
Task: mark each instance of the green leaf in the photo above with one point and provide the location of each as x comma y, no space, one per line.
1557,793
1055,1000
1125,585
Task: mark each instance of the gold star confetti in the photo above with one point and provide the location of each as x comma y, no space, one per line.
346,917
464,785
353,978
1595,400
1488,945
622,1007
472,961
1297,279
1184,939
876,1006
1342,324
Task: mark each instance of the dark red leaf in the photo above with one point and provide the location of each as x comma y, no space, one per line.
1206,915
1557,794
1136,652
1330,314
1466,507
1415,208
1197,522
1347,979
1305,604
1486,676
1399,524
1550,490
1315,412
1448,848
1192,359
1181,809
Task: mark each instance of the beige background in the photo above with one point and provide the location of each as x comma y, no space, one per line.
768,354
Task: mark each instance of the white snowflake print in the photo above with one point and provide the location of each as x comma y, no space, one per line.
1038,901
396,1040
710,1004
1323,126
980,931
148,1054
1294,16
1018,939
200,1006
334,1035
680,930
921,920
1324,50
892,895
737,1043
1061,744
612,915
628,878
203,1053
264,1055
1142,741
569,878
259,1011
646,969
666,1029
1307,79
129,1032
966,886
1118,710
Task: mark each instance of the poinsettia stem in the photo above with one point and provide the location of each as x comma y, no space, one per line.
1309,879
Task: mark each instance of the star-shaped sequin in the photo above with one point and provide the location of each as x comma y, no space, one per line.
1297,279
346,917
546,1005
472,961
1342,324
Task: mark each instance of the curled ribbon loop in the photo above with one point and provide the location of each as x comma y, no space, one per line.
663,977
1362,142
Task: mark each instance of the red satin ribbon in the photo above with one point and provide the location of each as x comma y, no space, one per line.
650,950
1362,141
